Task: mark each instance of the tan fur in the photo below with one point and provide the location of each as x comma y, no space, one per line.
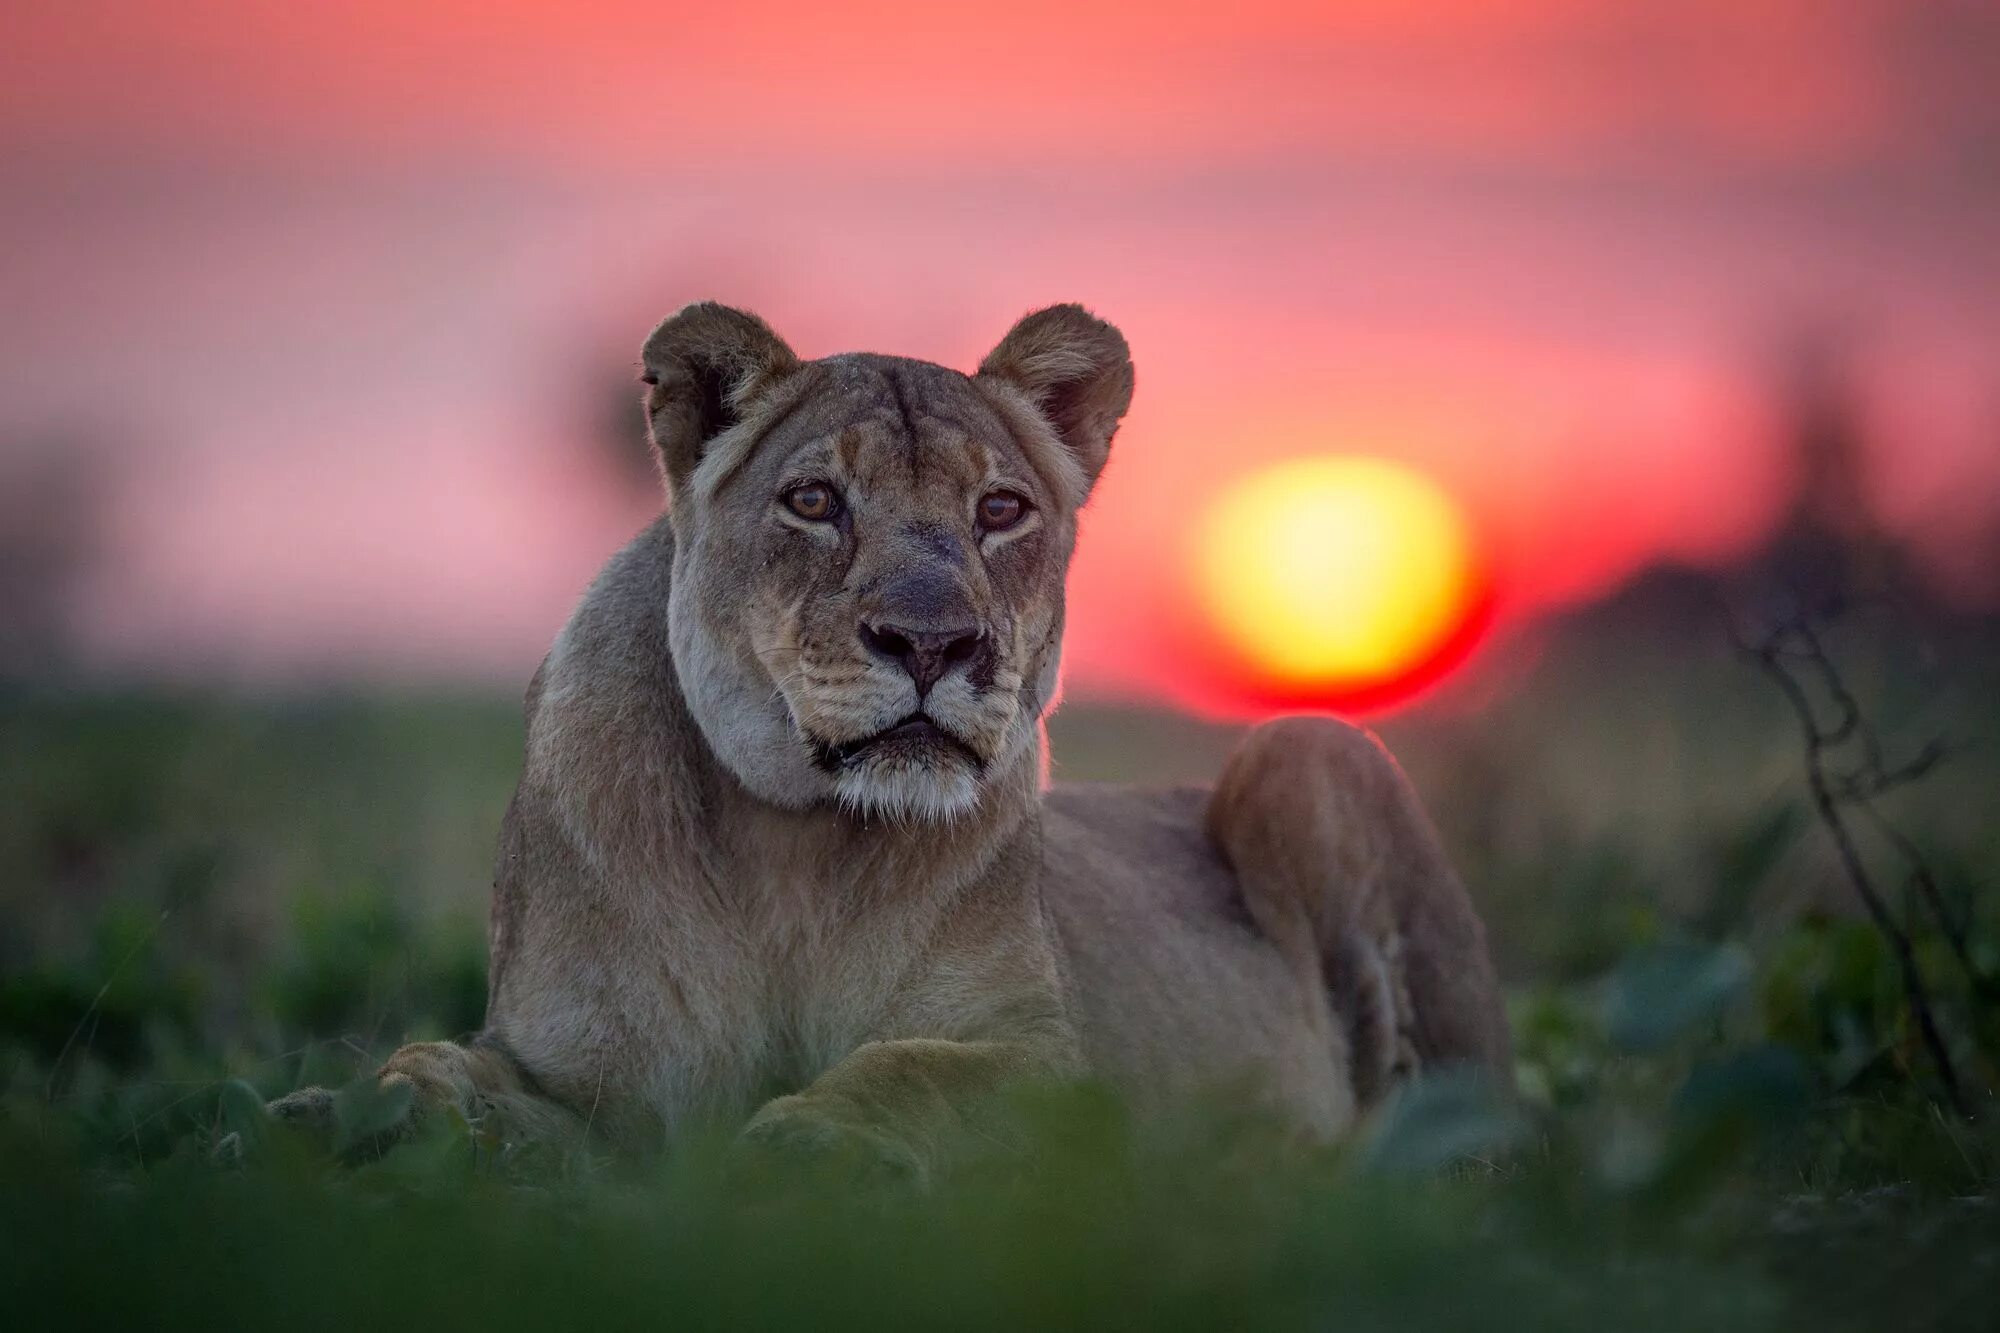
711,903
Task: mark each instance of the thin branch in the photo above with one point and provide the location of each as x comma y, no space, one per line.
1954,926
1795,640
1874,778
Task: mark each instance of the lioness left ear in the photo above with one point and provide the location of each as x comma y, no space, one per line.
1076,369
703,367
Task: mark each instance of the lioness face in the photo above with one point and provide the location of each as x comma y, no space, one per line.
867,594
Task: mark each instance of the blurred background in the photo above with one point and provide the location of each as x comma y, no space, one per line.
317,414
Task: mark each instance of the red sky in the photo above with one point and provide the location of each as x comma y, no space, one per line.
342,292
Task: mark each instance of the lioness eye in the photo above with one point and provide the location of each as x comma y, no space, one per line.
1000,510
813,500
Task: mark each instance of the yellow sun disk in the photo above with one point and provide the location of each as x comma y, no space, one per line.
1335,570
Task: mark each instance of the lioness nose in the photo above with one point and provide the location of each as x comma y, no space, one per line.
925,654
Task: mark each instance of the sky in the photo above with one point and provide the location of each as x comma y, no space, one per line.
343,302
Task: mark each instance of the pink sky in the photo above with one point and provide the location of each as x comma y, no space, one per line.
343,295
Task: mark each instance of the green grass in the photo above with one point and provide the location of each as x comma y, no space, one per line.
1726,1122
1100,1230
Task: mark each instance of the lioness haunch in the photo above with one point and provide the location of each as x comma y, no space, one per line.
782,825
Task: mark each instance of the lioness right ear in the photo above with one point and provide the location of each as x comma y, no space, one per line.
1075,369
703,367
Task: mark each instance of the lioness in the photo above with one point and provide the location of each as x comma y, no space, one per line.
781,848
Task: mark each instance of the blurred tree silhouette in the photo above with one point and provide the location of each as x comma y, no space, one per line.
1829,546
51,498
618,437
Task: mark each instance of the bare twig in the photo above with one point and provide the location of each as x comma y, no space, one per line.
1792,654
1953,925
1874,776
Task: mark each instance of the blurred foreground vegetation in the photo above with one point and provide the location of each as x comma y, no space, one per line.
1727,1118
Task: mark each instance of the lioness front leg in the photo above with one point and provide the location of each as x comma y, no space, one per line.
1341,868
478,1080
899,1102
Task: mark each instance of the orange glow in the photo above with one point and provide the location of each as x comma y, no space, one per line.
1336,576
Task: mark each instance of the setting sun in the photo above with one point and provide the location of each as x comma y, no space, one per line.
1336,575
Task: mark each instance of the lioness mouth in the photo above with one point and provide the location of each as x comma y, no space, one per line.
913,732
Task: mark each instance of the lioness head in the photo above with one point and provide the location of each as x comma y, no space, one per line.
867,592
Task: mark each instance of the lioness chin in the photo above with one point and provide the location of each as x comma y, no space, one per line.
781,825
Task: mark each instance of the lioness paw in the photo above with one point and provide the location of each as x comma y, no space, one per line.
357,1122
308,1109
819,1130
249,1120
